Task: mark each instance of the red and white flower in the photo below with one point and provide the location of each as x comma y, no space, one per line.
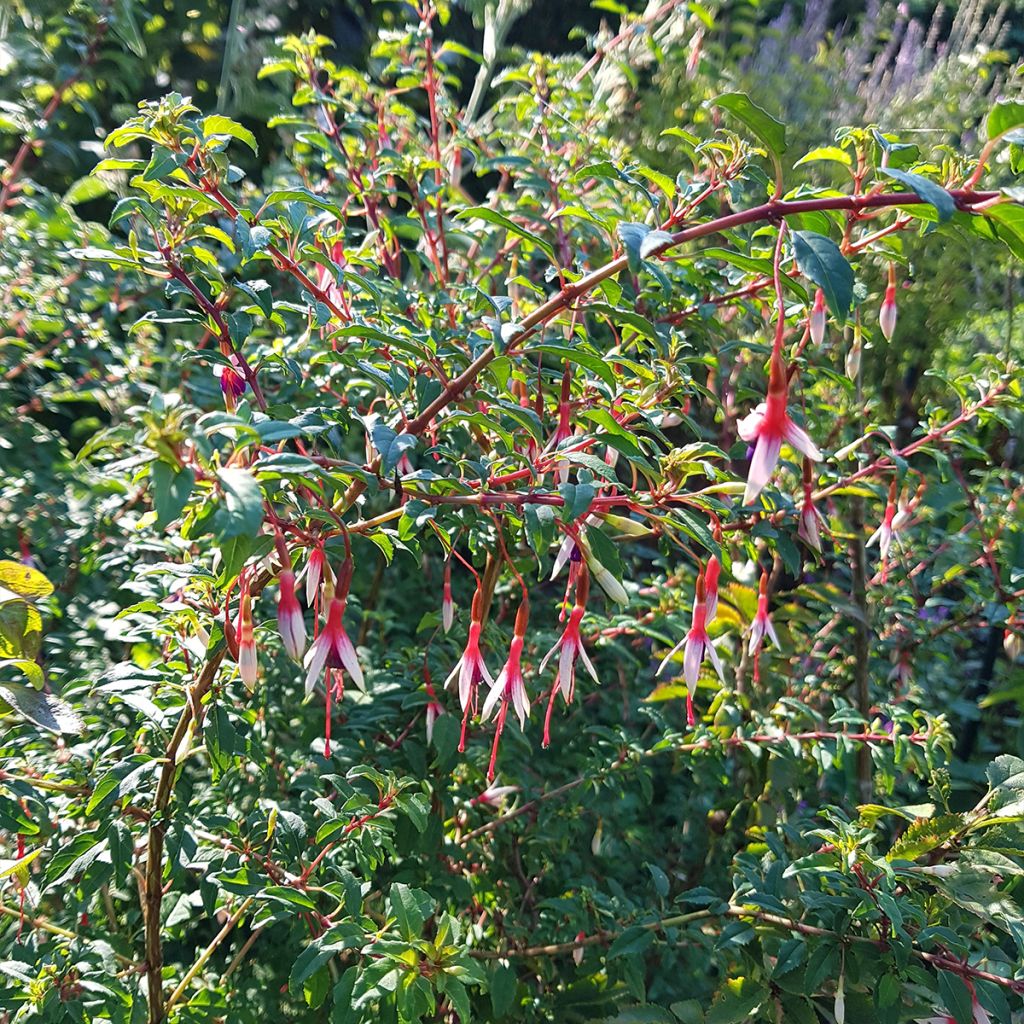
313,571
762,624
290,622
818,318
767,427
332,649
696,646
471,669
248,668
509,689
887,314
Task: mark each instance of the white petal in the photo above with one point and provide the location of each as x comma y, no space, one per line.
547,657
709,650
691,662
316,658
493,695
750,426
347,654
762,465
588,665
756,635
668,657
799,439
566,662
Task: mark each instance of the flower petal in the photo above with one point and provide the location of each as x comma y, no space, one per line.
799,439
766,457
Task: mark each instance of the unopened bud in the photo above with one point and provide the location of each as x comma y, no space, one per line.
818,317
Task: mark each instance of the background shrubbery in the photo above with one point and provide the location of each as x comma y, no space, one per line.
353,227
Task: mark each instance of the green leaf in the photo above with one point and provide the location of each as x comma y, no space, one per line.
819,259
928,191
410,908
85,190
1004,117
24,581
390,445
956,997
301,195
1006,772
217,124
171,490
126,28
242,512
631,942
770,131
485,213
503,984
290,895
41,709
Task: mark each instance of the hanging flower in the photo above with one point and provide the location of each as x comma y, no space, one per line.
470,669
887,314
895,518
290,622
313,571
818,318
510,687
493,795
762,624
333,649
711,574
570,649
232,382
247,666
447,606
767,427
696,646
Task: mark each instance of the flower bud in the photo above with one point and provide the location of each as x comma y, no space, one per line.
447,606
1012,644
247,666
289,617
887,314
818,317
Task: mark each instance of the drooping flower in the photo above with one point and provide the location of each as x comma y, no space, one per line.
247,666
887,314
493,794
895,518
711,574
447,606
577,953
809,529
313,571
332,649
471,669
232,382
290,622
818,318
696,646
434,711
509,689
762,624
570,649
767,427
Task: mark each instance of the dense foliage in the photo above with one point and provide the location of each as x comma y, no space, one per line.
458,567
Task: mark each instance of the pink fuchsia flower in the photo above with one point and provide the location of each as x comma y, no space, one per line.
313,570
887,314
711,574
762,624
447,605
577,953
510,687
696,646
809,529
767,427
247,666
818,318
570,649
493,795
232,382
434,711
290,622
332,649
895,518
471,669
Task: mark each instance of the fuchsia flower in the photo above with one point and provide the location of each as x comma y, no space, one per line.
470,669
332,649
696,646
510,687
232,382
570,648
895,518
447,606
247,666
818,318
767,427
711,574
290,622
809,529
762,624
493,795
313,570
887,314
433,713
